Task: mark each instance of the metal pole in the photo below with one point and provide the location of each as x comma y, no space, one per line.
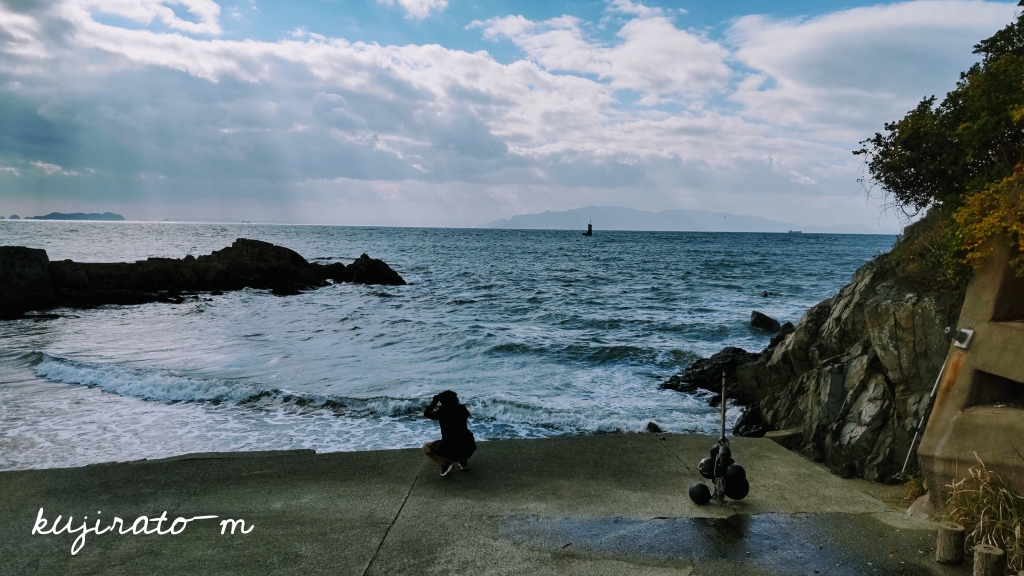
723,404
924,417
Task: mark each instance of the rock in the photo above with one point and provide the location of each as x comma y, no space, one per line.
853,376
791,438
853,440
29,281
880,465
746,424
244,264
921,509
906,330
653,428
830,395
784,330
706,374
764,322
366,270
24,281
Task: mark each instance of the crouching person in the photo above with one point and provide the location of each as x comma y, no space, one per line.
457,443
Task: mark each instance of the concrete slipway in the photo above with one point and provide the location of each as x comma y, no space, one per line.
606,504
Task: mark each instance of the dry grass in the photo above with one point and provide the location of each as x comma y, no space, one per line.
913,489
990,513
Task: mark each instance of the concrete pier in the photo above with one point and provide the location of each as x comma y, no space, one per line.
607,504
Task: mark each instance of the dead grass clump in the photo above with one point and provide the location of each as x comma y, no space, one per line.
990,513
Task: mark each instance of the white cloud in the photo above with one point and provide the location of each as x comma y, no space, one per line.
22,35
146,11
634,8
417,9
652,56
851,70
51,169
655,117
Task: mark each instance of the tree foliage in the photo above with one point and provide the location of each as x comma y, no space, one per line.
975,136
966,153
996,211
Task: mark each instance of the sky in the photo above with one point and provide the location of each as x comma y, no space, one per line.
459,112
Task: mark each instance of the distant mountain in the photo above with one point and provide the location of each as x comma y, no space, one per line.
615,218
109,216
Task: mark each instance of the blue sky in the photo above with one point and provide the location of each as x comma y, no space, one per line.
455,113
371,21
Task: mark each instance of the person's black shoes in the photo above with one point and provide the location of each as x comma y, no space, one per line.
464,465
446,468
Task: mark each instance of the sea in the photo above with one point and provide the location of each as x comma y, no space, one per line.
540,332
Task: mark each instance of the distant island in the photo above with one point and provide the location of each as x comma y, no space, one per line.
108,216
616,218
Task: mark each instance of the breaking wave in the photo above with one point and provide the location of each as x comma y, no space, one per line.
492,416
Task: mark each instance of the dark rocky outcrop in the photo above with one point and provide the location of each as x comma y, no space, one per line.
29,281
366,270
764,322
706,374
24,280
854,375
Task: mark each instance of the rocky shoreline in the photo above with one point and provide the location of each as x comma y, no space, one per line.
29,281
847,385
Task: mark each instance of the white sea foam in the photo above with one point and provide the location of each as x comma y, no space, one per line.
145,384
83,413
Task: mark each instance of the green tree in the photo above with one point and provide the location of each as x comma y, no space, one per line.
963,157
975,136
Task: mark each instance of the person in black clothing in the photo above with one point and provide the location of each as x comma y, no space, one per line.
457,443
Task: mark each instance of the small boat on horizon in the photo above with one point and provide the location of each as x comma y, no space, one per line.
796,231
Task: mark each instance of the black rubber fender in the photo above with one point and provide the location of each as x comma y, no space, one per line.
700,493
707,468
735,473
737,490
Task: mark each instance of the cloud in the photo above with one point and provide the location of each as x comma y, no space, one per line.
652,116
651,57
634,8
48,168
146,11
851,70
417,9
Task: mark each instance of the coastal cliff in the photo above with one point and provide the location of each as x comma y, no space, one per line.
851,380
30,281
